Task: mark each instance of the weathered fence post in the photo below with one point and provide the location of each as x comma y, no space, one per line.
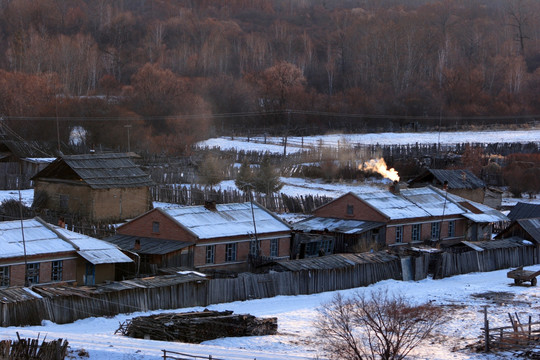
486,329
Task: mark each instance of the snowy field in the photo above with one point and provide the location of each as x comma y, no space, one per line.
463,296
294,144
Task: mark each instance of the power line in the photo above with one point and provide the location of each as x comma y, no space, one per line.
269,113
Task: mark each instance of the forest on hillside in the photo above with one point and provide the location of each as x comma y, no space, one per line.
172,72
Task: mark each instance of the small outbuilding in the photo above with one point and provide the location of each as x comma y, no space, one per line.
98,187
460,182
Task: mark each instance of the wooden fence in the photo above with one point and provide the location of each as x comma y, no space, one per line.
488,260
197,195
67,304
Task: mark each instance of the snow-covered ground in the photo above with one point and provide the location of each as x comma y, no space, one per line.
463,296
294,144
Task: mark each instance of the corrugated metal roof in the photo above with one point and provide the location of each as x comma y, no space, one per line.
41,238
336,261
457,179
532,227
524,211
495,244
38,239
100,171
477,212
226,220
345,226
148,245
411,203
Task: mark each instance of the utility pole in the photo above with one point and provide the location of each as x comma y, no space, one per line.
128,142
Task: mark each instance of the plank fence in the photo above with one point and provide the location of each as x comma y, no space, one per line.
197,195
63,304
488,260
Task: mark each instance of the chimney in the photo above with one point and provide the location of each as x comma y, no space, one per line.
137,245
394,188
463,176
210,205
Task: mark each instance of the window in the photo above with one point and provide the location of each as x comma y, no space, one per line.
451,228
155,227
435,230
4,276
415,232
56,270
399,234
210,254
274,247
350,209
32,273
230,252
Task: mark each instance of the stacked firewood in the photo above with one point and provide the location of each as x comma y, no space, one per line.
197,327
31,349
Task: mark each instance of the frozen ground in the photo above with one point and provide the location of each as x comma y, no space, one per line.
463,296
294,144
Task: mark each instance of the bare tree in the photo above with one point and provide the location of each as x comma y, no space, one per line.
379,326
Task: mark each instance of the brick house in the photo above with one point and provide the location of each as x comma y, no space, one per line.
106,187
415,215
220,236
53,254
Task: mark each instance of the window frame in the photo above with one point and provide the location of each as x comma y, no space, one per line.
399,234
231,252
32,273
57,270
274,247
416,232
435,230
210,257
451,228
4,276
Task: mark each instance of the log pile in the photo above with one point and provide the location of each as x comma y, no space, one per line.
197,327
31,349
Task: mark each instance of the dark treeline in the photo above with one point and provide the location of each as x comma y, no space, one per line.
167,68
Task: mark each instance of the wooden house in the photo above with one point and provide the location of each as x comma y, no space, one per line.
214,237
419,215
459,182
51,254
96,186
527,229
524,211
19,161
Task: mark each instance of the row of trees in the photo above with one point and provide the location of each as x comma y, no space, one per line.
161,61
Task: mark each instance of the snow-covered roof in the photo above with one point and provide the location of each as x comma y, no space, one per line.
477,212
226,220
411,203
345,226
43,238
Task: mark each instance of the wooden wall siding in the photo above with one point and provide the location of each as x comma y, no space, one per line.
85,303
487,260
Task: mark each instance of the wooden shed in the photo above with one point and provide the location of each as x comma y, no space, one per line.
98,187
460,182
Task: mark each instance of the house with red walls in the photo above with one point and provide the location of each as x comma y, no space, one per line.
36,252
418,215
208,237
